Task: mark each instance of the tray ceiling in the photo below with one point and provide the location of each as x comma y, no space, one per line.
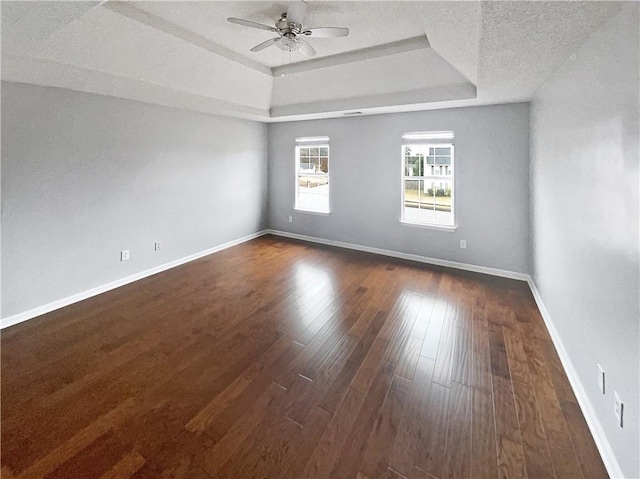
399,55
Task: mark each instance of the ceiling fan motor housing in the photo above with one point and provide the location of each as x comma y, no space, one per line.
285,27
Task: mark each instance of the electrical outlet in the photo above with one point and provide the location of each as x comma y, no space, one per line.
601,379
618,408
290,219
156,246
463,244
124,255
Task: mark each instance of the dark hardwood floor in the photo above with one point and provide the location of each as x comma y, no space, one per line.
278,358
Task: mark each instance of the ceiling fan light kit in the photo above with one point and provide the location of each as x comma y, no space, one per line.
288,44
289,26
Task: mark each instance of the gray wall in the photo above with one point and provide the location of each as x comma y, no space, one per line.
85,176
492,184
584,175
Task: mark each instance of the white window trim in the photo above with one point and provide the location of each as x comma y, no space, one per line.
430,226
426,226
323,142
422,136
313,212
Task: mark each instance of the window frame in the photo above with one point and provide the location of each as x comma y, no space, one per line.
320,143
403,178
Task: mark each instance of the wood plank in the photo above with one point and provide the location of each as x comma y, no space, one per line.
484,456
356,445
126,467
218,456
497,350
457,453
402,459
534,440
433,416
586,451
83,439
505,410
511,463
332,442
377,455
264,451
409,359
431,341
312,432
424,314
446,349
338,389
563,455
255,378
400,330
94,460
481,362
179,457
376,354
462,368
554,367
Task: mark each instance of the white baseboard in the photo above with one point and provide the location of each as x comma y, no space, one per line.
412,257
32,313
60,303
610,462
599,436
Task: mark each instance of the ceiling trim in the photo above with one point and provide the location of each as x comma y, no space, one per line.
401,46
139,15
38,71
425,95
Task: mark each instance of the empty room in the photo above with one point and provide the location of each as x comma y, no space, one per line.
320,239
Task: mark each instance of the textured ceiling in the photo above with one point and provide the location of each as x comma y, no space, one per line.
370,24
29,24
523,43
185,54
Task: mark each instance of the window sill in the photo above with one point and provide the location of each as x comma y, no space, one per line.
448,229
311,212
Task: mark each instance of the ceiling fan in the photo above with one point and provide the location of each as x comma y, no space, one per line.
290,29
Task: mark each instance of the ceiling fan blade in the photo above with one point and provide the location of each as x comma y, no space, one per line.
326,32
263,45
248,23
306,49
296,11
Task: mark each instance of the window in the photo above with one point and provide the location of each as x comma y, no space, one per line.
428,178
312,174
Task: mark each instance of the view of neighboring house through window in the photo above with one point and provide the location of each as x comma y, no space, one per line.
312,174
427,183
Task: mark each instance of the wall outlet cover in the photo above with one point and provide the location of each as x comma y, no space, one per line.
124,255
601,380
618,408
463,244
